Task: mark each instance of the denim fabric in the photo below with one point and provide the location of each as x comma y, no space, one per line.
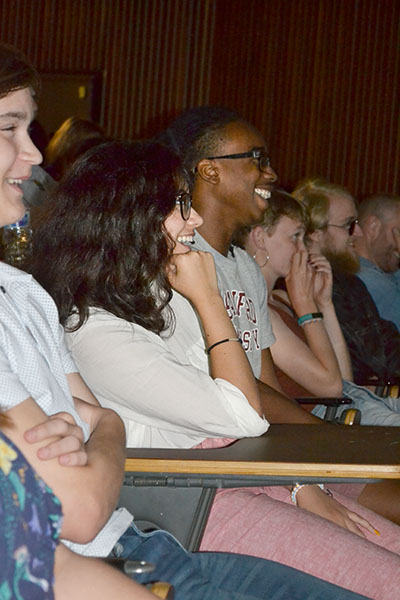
374,410
221,576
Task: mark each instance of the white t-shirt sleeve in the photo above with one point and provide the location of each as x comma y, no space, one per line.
133,371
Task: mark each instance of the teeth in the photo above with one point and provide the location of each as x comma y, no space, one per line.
185,239
263,193
15,181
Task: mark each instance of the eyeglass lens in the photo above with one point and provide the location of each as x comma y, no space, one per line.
185,202
352,226
264,161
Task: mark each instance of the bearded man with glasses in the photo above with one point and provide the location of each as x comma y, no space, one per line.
373,342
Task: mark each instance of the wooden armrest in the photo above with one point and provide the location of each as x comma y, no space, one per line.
372,380
386,388
324,401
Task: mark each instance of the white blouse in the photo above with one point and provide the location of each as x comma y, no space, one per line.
164,399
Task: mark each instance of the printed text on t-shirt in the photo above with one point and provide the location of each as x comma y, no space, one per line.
238,305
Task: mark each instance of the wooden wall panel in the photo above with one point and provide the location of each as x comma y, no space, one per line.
319,78
155,55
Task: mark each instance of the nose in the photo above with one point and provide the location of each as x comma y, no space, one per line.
29,152
358,232
195,220
270,174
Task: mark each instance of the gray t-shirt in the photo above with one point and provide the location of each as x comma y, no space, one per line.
244,292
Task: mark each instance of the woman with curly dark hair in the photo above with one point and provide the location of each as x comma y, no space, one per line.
118,237
110,231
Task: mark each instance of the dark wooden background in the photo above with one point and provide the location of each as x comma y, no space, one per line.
319,78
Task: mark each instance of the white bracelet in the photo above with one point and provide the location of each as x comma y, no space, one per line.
298,487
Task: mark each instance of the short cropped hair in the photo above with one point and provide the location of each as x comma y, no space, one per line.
380,205
16,73
281,204
314,194
198,133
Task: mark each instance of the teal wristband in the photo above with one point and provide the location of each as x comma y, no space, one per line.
309,317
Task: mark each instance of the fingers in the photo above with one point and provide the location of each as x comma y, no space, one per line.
300,258
351,526
68,446
319,263
68,450
193,274
362,522
61,424
299,265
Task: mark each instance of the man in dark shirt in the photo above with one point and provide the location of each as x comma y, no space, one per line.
374,343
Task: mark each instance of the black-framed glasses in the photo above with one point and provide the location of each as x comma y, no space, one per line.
349,227
259,153
184,199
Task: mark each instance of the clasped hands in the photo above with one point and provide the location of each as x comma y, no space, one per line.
309,281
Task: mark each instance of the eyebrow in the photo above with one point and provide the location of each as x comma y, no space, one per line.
21,116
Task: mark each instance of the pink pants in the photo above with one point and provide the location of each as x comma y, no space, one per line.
263,522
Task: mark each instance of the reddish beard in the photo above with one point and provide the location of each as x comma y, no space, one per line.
344,262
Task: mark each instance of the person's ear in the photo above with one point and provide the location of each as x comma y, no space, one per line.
257,235
371,227
208,171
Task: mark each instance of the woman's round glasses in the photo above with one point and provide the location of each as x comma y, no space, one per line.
184,199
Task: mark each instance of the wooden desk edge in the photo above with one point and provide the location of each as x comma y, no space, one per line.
158,465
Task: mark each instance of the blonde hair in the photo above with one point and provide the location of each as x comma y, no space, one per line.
314,194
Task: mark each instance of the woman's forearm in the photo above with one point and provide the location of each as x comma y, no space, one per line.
227,360
319,342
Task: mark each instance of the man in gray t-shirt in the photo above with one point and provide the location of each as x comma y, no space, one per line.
244,291
233,180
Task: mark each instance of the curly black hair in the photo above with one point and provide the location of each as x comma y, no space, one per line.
100,240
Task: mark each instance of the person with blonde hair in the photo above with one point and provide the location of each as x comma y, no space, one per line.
333,231
310,353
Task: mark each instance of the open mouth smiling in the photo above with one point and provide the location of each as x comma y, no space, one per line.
263,192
